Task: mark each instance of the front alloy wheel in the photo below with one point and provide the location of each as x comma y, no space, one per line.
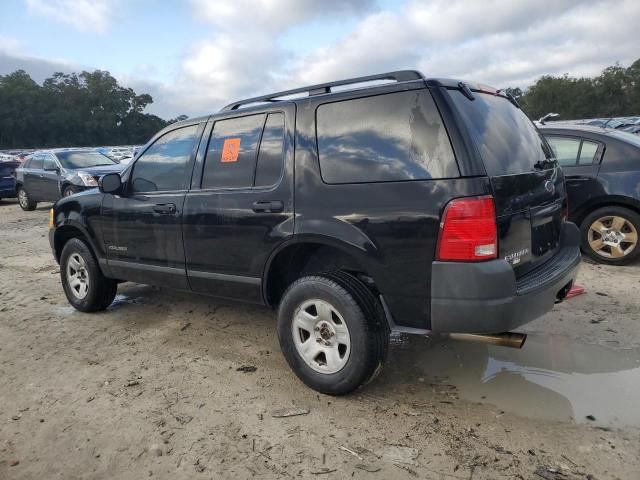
77,276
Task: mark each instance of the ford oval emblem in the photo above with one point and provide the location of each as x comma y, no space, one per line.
549,186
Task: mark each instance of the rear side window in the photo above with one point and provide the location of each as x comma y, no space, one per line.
270,157
162,167
566,150
393,137
231,157
587,152
507,140
572,151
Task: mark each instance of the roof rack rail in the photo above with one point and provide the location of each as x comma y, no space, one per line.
323,88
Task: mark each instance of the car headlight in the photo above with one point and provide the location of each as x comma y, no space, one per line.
87,179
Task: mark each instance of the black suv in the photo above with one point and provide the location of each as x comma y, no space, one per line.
356,209
50,174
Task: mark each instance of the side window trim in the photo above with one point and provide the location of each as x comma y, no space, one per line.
255,164
188,169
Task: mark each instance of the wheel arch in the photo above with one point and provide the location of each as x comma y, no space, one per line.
288,262
66,232
606,201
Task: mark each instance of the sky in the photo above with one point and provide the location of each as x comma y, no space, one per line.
195,56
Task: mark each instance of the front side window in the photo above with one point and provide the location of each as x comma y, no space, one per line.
162,167
36,162
393,137
231,156
566,149
49,163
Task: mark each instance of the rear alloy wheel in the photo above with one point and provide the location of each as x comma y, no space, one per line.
610,235
25,202
332,332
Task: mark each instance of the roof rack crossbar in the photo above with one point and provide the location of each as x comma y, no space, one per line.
323,88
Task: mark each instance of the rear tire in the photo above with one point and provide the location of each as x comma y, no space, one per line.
609,235
338,309
86,288
25,201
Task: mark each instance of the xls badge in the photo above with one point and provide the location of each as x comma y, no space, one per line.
116,248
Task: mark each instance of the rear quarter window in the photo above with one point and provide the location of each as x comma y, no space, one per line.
393,137
506,139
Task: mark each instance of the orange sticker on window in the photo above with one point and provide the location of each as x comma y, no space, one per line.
230,150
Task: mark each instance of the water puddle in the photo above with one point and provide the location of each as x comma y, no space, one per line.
551,377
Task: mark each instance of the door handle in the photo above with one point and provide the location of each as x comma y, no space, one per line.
268,207
577,180
165,208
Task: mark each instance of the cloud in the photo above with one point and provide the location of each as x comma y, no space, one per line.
83,15
249,51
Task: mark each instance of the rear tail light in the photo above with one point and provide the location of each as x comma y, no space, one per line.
468,230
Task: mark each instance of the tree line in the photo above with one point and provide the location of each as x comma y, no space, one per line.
86,109
613,93
91,108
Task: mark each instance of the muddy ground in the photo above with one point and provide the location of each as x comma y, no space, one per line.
151,388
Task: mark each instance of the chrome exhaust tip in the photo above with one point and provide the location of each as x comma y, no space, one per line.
507,339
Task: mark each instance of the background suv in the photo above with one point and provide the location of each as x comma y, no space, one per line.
602,168
48,175
411,205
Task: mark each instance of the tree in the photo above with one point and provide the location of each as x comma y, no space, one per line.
615,92
86,109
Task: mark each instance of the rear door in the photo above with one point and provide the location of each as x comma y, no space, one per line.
580,161
240,207
528,186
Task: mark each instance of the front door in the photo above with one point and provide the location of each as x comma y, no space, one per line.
143,226
240,207
50,179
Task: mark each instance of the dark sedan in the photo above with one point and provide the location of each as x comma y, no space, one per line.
602,171
48,175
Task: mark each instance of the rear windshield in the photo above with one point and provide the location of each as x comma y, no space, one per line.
507,140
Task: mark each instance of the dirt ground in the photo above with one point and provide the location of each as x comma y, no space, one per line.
151,388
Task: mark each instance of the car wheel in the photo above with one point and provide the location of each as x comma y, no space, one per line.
332,332
610,235
25,202
86,288
68,191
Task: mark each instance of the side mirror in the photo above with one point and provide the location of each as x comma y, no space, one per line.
110,183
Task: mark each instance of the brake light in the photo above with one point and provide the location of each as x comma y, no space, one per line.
468,230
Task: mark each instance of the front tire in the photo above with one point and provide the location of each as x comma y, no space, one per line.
25,201
610,235
332,332
68,191
86,288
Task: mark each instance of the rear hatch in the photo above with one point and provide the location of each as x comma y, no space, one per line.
528,186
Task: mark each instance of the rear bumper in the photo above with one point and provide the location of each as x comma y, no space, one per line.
487,298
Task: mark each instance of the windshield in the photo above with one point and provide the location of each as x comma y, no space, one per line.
75,160
507,140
